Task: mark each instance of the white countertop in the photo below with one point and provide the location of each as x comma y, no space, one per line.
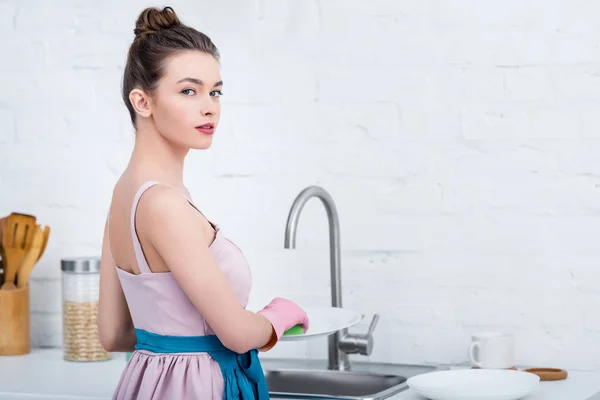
43,374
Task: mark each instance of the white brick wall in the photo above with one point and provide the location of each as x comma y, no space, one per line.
459,140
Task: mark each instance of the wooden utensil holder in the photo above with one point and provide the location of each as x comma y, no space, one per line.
15,322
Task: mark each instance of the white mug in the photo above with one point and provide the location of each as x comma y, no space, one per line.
492,350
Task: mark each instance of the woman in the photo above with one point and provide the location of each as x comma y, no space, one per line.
172,286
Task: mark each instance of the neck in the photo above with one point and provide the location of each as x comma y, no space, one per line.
157,156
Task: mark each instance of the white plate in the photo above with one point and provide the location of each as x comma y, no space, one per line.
475,384
324,321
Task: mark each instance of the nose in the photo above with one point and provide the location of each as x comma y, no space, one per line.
209,108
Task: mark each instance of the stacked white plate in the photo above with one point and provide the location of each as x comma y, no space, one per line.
475,384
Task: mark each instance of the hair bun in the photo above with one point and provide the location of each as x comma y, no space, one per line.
152,20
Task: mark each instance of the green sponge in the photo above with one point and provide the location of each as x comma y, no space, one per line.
294,330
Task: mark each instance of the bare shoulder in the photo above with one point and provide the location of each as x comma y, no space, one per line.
165,214
161,202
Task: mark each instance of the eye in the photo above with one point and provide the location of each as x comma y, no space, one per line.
185,91
216,93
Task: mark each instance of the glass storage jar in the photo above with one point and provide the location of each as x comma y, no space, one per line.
81,293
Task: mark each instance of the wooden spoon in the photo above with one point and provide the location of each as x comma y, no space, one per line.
2,224
31,257
46,234
17,235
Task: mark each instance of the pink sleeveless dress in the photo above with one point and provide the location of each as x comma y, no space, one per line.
157,304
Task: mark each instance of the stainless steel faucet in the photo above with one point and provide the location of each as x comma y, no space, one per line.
340,343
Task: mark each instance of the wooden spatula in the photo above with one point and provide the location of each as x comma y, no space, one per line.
17,235
31,257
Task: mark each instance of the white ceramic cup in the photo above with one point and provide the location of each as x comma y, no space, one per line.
494,350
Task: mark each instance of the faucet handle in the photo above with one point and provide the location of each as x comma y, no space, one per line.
359,343
373,324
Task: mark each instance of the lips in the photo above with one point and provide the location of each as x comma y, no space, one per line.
207,129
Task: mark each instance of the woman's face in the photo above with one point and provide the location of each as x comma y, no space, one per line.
186,105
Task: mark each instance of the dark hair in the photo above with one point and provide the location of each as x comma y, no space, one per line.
158,35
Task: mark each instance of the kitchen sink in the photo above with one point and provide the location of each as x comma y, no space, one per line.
332,384
337,378
367,381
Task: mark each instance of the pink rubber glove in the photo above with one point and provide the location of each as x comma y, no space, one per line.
283,315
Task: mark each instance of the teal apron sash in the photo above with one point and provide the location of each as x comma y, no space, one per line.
242,373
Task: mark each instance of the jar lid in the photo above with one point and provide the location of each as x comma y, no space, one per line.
81,265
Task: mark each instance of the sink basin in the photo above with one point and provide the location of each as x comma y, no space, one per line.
307,384
310,379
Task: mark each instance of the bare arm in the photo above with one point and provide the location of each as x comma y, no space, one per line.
176,231
115,327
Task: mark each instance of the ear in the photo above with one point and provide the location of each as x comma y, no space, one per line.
141,102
